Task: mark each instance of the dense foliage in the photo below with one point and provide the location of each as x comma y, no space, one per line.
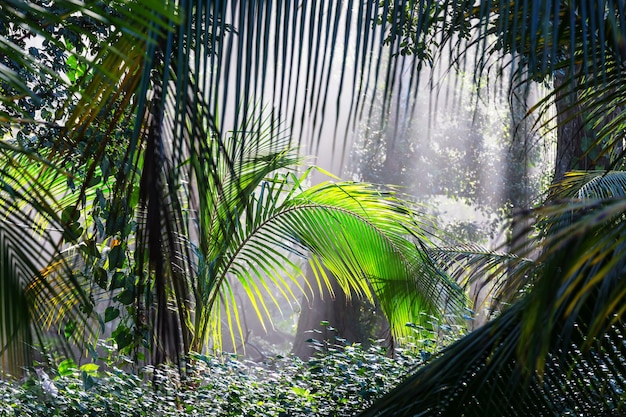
342,381
184,190
165,220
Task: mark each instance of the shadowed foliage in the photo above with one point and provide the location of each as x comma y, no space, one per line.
158,205
165,71
557,350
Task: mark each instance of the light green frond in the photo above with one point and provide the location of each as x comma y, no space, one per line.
364,236
229,171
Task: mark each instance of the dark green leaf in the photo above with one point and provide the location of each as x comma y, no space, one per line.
118,281
72,232
122,337
70,215
101,277
126,297
117,257
90,248
111,313
88,380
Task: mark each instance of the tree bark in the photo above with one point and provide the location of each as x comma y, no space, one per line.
571,152
352,319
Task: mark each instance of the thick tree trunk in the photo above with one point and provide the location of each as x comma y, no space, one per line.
351,318
573,137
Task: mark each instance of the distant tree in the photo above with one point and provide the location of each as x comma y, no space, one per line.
554,351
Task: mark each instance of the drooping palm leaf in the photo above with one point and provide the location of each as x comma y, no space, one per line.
357,232
386,245
497,278
34,203
553,352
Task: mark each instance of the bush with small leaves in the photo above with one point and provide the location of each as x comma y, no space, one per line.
341,381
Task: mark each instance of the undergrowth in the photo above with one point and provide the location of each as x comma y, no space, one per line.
340,381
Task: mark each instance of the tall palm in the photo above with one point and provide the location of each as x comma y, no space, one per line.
156,72
176,56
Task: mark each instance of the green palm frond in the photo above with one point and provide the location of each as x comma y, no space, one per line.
364,236
229,178
595,185
37,206
504,276
387,244
554,351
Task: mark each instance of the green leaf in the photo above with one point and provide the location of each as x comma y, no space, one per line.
122,337
101,277
88,380
90,248
301,392
90,369
72,62
95,180
118,281
117,257
70,215
72,232
126,297
66,368
111,313
69,329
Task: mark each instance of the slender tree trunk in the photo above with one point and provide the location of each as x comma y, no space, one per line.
518,190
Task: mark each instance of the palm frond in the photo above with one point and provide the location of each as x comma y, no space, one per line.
549,353
499,278
37,206
594,185
364,236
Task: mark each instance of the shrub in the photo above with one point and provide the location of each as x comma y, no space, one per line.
341,381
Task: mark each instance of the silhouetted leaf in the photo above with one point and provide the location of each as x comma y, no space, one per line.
111,313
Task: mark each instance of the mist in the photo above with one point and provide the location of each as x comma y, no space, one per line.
447,140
